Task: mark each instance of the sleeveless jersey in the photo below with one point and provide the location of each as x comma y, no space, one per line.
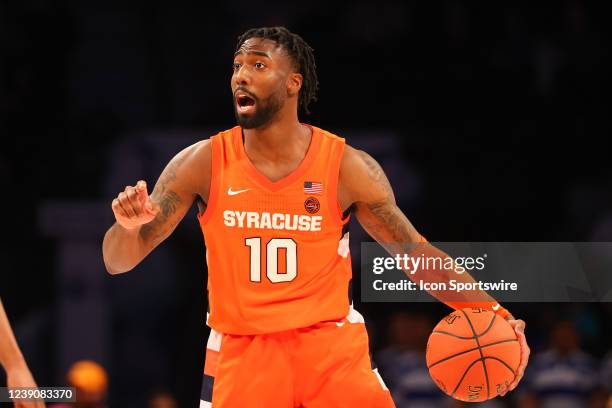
277,258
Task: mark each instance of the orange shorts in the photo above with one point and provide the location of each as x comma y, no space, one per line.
326,365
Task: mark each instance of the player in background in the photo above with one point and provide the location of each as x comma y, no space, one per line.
250,184
17,372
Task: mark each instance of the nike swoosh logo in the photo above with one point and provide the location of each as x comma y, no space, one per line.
340,324
496,307
232,192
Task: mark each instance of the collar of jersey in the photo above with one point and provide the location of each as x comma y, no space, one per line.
262,180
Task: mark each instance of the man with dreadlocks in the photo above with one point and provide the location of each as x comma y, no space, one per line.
274,197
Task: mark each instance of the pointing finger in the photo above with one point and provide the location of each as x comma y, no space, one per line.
141,190
141,186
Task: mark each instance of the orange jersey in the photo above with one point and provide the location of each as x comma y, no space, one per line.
277,258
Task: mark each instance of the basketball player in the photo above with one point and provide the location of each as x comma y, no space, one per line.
17,372
274,197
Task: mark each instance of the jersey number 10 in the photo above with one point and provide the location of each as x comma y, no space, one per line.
272,259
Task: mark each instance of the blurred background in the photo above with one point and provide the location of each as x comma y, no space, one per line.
489,119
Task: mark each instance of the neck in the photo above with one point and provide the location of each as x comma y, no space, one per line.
280,140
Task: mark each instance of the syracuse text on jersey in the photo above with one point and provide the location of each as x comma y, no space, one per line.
276,221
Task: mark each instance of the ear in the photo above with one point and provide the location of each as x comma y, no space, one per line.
294,83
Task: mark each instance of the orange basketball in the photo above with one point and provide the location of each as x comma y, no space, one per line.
472,355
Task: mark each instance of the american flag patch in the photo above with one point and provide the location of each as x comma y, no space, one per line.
312,187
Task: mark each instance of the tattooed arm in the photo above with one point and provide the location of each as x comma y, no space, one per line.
143,222
364,186
367,189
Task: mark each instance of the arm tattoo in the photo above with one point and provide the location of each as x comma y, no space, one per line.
157,228
376,173
383,220
386,223
168,201
388,220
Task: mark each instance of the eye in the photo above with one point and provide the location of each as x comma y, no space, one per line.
236,66
260,65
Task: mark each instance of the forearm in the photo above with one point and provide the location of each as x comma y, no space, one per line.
122,249
10,354
374,202
439,270
386,223
365,187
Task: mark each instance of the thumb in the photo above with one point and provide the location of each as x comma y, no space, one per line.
151,207
520,327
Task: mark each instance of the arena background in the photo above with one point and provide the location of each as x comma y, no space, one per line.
489,119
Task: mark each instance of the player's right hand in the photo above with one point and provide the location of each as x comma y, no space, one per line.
133,207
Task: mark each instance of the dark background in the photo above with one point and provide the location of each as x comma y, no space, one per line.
499,111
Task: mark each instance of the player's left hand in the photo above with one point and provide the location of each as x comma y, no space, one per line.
22,378
519,327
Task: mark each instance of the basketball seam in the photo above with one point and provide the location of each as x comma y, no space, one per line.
463,376
470,350
476,361
469,337
484,366
501,361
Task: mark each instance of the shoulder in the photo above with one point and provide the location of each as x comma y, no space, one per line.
327,134
351,160
197,159
192,165
327,138
356,166
201,152
196,155
357,161
361,178
203,148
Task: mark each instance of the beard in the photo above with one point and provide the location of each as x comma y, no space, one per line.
265,110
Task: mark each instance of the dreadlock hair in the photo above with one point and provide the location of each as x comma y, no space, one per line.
300,52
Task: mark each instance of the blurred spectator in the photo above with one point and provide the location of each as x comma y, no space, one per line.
564,376
403,365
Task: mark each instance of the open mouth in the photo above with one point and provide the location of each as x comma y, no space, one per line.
244,103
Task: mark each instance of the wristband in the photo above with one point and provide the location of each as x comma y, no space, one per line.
500,311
